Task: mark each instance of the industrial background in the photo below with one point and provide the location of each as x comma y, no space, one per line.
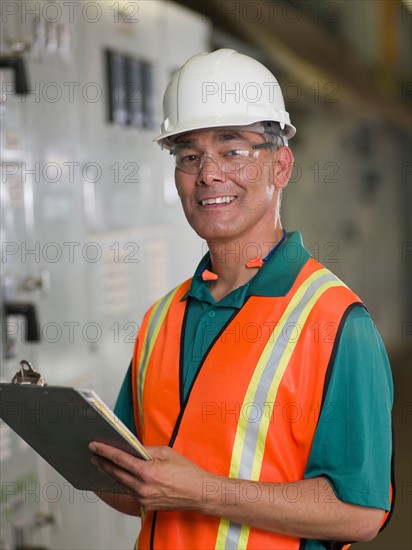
92,230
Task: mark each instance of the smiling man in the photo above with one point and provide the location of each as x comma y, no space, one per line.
260,387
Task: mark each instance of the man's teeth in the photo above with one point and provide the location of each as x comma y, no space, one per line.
218,200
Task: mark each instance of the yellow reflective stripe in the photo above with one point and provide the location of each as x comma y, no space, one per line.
222,534
156,317
141,369
241,431
160,321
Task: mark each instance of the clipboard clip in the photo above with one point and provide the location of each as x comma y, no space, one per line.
28,376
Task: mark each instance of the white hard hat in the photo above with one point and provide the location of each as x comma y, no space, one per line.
220,89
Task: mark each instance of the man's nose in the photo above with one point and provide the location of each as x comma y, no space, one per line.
209,171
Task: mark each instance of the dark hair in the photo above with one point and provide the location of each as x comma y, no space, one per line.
273,133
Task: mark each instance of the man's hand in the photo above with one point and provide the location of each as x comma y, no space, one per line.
172,482
168,482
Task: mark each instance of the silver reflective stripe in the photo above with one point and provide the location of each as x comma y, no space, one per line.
248,466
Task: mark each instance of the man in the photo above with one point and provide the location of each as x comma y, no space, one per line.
260,387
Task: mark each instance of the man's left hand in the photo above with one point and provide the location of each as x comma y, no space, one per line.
168,482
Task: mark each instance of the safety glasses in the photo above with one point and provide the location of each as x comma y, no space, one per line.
228,155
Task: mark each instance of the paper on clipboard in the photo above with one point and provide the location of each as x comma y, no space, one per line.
60,422
104,410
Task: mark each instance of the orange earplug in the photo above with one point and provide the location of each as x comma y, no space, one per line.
256,262
209,275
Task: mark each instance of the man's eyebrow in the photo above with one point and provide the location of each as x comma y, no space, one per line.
227,136
223,136
186,143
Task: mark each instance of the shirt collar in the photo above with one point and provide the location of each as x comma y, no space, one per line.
275,278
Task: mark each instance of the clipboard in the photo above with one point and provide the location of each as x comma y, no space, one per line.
59,423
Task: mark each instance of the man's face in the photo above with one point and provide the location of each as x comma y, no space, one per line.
228,200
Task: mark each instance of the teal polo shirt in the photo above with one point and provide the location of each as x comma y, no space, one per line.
352,443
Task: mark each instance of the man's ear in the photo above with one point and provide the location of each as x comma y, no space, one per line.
283,167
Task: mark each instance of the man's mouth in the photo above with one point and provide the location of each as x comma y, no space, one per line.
218,200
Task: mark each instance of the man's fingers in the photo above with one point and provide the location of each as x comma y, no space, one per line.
125,460
129,481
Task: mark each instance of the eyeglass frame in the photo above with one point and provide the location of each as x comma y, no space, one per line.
256,146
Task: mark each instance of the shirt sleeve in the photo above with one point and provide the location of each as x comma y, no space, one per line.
352,446
124,404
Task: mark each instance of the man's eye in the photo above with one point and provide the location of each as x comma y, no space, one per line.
187,159
236,153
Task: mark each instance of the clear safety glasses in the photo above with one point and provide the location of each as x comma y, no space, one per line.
228,155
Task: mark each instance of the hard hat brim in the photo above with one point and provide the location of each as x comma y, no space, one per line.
166,139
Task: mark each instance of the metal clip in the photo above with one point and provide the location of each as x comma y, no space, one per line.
28,376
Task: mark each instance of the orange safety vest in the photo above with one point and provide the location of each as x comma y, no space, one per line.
253,408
